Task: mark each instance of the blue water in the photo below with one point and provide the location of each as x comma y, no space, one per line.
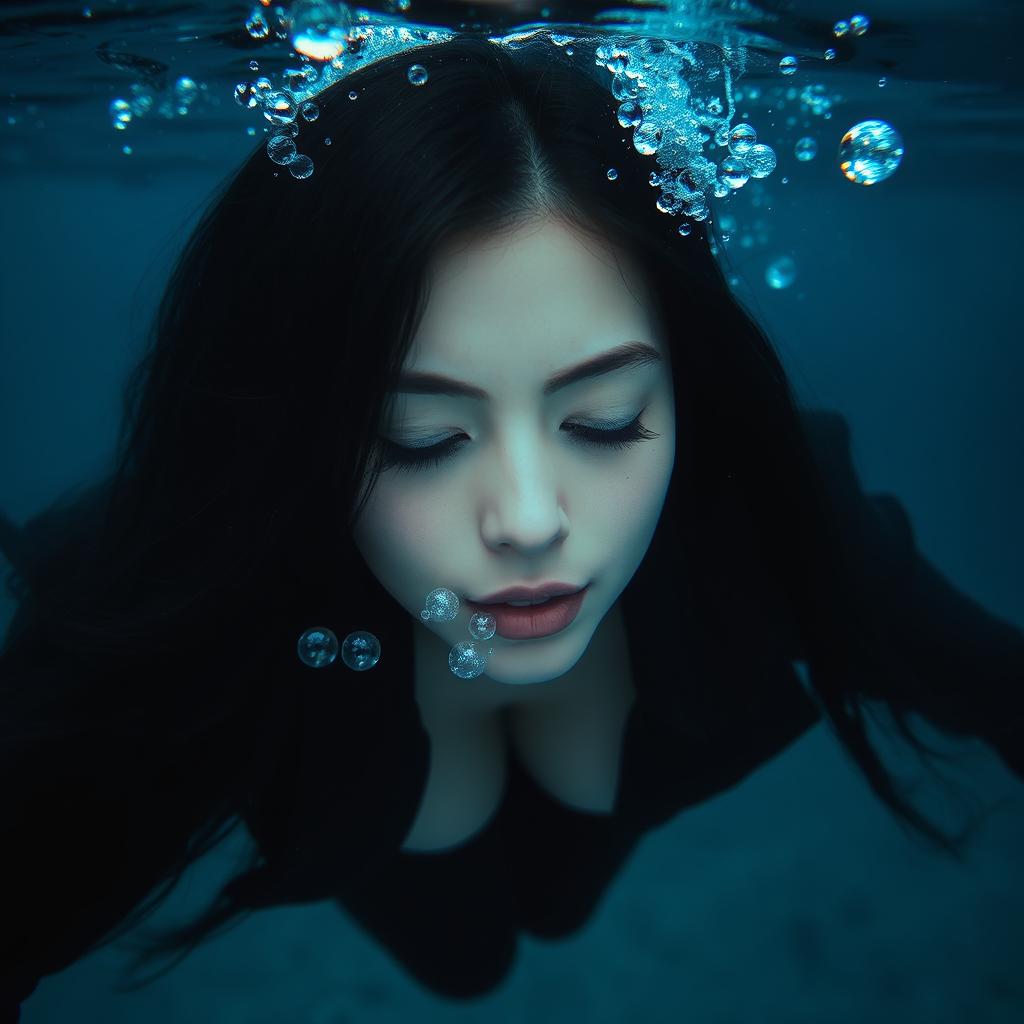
793,897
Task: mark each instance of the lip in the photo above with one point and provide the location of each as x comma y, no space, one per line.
553,588
531,623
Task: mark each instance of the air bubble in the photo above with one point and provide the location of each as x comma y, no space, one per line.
417,74
482,625
465,661
735,172
281,149
788,65
317,647
859,24
741,138
630,114
780,273
870,152
360,650
441,605
761,161
805,149
301,167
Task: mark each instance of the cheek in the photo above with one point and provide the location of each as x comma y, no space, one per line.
397,527
631,498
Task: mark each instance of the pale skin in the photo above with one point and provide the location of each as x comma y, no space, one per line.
522,501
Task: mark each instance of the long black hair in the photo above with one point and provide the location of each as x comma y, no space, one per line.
135,701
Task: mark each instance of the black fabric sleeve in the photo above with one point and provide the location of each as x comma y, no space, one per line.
956,663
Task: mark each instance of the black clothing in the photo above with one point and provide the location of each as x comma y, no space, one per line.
717,695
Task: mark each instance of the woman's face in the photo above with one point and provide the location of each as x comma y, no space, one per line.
524,498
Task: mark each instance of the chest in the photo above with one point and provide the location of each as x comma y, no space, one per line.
572,750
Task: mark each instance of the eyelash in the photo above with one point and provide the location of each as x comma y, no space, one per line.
423,458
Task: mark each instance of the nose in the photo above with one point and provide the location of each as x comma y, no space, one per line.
523,500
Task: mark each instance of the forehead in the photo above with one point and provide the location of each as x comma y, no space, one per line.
543,294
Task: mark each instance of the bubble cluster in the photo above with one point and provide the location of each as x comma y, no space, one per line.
870,152
679,99
465,660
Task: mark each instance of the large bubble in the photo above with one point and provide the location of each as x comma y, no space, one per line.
870,152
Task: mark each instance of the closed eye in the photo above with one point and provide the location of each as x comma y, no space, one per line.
404,458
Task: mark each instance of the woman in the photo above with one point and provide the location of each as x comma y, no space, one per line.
289,459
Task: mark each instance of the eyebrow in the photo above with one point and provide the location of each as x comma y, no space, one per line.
626,356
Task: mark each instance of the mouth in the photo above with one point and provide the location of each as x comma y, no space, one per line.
531,620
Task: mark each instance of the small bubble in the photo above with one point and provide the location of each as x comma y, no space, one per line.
630,114
278,108
281,149
360,650
441,604
482,625
246,95
788,65
317,647
735,172
881,82
612,174
761,161
741,138
840,28
352,95
830,54
780,273
805,149
417,74
859,24
300,167
257,26
465,661
685,229
647,139
120,114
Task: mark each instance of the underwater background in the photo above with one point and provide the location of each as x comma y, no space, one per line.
795,896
